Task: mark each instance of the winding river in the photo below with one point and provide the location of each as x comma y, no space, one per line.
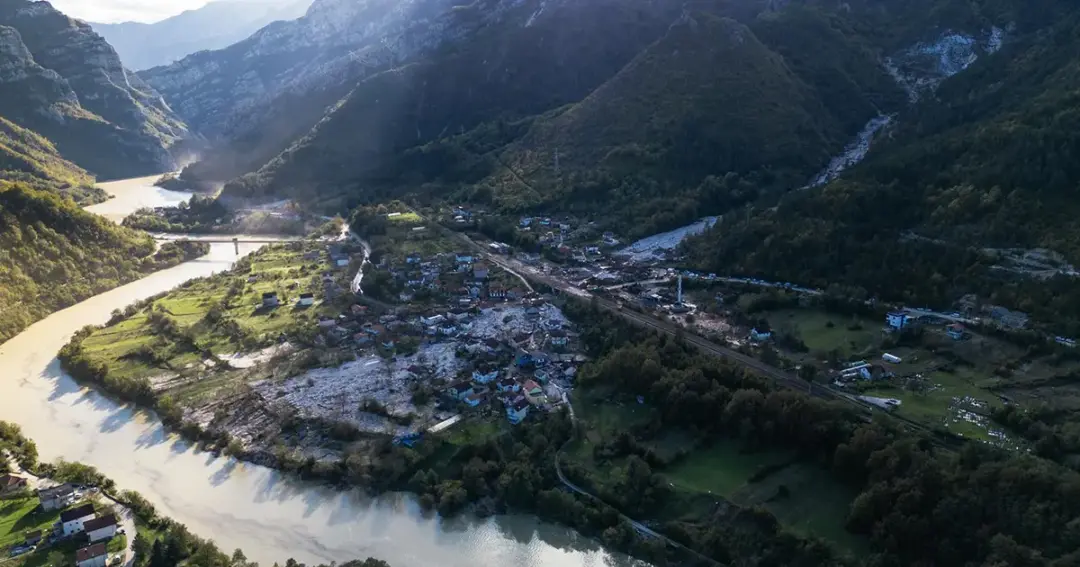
240,505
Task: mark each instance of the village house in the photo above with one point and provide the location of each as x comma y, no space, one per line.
480,271
306,300
10,483
56,497
413,259
542,375
485,374
497,293
473,400
463,258
270,299
92,556
72,520
533,392
98,529
461,389
955,331
539,358
458,315
32,538
517,410
558,338
897,320
448,329
509,385
759,336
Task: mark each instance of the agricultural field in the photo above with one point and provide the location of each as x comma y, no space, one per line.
823,332
220,316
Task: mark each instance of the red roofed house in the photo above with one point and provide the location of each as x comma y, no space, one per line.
10,483
92,556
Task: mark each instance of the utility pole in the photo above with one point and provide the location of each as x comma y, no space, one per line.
236,245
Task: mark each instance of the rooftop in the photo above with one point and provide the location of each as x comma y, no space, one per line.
76,513
90,552
98,523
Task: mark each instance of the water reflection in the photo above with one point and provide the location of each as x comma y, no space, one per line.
239,505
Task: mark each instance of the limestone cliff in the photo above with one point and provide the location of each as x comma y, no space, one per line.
63,81
258,95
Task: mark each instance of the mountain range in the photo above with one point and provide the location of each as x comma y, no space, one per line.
63,82
213,26
641,116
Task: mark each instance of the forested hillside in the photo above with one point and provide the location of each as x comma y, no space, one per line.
53,254
990,162
28,158
639,101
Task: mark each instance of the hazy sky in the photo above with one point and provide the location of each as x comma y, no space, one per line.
110,11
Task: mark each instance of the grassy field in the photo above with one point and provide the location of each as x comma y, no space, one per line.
721,468
824,332
20,516
807,500
236,296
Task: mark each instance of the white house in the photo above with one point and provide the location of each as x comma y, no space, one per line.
897,319
72,520
98,529
92,556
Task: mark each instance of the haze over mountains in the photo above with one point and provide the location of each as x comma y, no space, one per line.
642,116
214,26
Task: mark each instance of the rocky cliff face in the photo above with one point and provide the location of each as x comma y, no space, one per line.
260,94
217,25
62,80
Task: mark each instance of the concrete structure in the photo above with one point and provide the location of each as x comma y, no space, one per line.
72,520
98,529
92,556
56,497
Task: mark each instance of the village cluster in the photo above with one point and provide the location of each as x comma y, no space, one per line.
467,334
79,521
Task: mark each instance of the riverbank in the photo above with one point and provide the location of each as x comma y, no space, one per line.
170,355
238,504
142,536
